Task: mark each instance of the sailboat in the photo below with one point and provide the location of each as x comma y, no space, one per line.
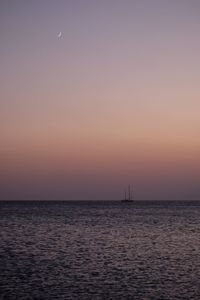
128,195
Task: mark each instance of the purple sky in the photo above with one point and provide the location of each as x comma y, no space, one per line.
114,101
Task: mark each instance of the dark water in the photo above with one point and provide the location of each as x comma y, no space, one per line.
103,250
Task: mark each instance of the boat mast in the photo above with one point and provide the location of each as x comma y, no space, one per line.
129,192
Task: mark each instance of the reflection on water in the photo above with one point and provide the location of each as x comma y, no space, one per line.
103,250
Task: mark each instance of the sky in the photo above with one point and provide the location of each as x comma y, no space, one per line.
114,101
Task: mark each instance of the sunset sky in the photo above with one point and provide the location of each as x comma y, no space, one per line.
115,100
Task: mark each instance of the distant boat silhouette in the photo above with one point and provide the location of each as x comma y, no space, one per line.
128,195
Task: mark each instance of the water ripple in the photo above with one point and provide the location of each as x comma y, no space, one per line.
100,251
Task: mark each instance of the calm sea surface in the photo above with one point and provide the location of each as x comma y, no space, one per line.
100,250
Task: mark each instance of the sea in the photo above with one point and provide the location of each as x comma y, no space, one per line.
100,250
